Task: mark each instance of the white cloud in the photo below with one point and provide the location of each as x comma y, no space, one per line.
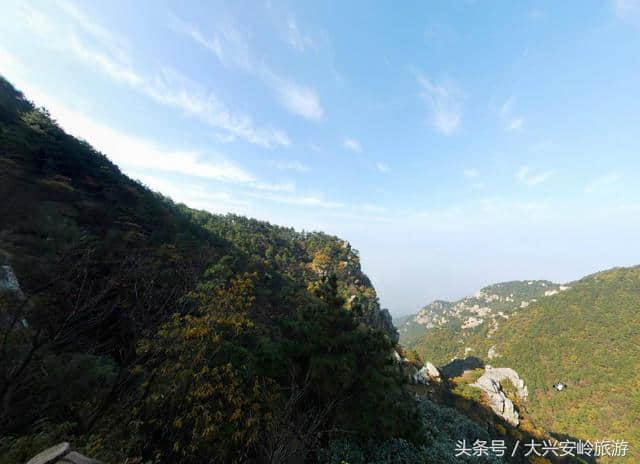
109,56
138,156
352,145
294,37
532,178
445,104
510,121
225,41
470,173
231,48
196,196
274,187
170,88
294,165
298,200
213,44
114,61
299,100
135,152
602,182
382,167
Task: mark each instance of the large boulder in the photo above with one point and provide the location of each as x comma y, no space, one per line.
428,373
61,454
490,383
500,374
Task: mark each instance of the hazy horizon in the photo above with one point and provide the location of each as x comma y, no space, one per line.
454,145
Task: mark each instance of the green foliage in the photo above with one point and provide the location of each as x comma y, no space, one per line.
160,333
443,427
585,337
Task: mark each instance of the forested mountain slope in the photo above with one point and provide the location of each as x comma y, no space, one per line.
144,331
588,338
449,323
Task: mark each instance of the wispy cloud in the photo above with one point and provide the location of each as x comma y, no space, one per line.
274,187
445,103
232,49
135,152
602,182
225,41
297,99
140,156
196,195
295,38
109,56
303,200
171,88
352,145
511,122
532,178
293,165
382,167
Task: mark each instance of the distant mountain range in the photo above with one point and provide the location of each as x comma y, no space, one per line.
483,311
585,334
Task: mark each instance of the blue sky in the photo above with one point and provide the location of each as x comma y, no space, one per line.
455,144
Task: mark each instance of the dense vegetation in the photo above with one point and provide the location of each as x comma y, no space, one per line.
444,320
145,331
586,337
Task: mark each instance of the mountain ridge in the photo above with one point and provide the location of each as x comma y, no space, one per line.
584,336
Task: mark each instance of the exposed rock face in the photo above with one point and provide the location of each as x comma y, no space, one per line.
9,282
428,373
432,371
489,306
382,320
499,374
490,383
10,291
61,454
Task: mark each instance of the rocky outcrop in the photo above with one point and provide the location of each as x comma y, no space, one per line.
61,454
9,282
11,293
428,373
381,319
491,383
422,376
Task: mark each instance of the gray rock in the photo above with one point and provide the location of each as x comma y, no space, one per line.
489,382
61,454
381,319
428,373
499,374
50,454
421,377
432,371
9,282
